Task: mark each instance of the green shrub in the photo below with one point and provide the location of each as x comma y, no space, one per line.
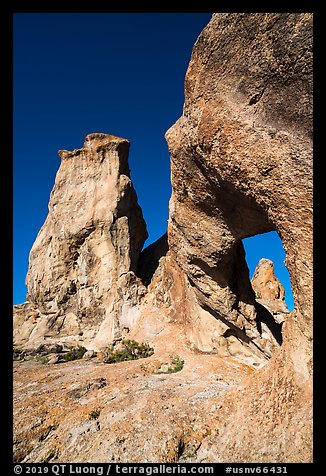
74,353
42,352
176,365
42,359
57,349
131,350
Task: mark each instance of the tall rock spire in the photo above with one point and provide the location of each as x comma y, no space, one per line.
89,243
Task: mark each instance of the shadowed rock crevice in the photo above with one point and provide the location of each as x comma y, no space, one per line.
266,317
151,260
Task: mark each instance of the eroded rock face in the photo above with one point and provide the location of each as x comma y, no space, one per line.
265,283
241,161
82,264
151,260
268,289
241,165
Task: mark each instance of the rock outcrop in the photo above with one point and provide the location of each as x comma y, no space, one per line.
241,159
151,260
269,291
241,164
81,277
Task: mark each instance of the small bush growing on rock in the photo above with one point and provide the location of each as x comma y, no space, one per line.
176,365
43,359
74,353
57,349
129,350
43,353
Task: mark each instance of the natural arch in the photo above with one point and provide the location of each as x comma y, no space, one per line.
241,163
269,246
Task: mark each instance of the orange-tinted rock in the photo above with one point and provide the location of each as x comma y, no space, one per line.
269,290
265,283
241,159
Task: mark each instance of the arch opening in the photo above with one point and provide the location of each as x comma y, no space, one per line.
269,246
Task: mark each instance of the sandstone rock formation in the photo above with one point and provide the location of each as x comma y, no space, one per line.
151,259
83,262
241,163
241,158
268,289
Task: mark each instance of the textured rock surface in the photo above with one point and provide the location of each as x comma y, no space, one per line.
120,412
241,158
151,260
216,409
241,165
82,264
268,289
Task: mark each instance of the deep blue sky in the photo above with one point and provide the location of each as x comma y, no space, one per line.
118,73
